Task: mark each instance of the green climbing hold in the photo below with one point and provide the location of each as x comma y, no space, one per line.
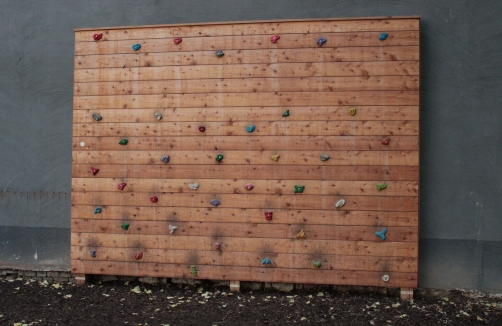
125,226
381,186
219,158
286,113
299,189
193,270
123,141
317,263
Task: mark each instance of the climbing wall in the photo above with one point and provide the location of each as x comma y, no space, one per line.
251,151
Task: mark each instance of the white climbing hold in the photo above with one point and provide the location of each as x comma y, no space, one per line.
82,144
193,186
172,228
385,278
340,203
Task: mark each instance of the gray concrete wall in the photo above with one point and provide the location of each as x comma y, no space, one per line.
461,118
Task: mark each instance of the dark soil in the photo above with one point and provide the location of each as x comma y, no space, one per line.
28,302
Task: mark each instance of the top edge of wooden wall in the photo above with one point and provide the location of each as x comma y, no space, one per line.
266,27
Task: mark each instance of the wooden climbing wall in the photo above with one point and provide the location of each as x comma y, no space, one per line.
354,99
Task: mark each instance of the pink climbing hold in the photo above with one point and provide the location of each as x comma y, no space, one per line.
121,185
138,256
94,170
274,38
177,40
268,216
154,199
97,37
249,186
217,245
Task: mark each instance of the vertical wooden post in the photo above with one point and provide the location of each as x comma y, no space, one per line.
406,293
235,286
80,279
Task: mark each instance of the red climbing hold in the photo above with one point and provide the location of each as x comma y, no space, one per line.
202,128
268,216
121,185
154,199
249,186
97,37
274,38
138,256
177,40
386,141
94,170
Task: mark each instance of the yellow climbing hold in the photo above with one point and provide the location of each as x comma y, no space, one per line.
352,111
275,157
301,235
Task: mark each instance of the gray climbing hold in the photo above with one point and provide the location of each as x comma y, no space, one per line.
97,117
193,186
324,157
340,203
172,228
385,278
219,53
158,115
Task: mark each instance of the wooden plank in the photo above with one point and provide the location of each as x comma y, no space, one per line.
339,54
231,186
243,28
79,279
242,172
253,274
234,143
269,128
245,85
326,247
406,293
246,114
244,42
259,70
235,286
266,202
250,259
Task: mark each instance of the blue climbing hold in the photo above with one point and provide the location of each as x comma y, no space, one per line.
266,261
136,47
381,234
165,159
383,36
250,128
97,210
321,41
215,202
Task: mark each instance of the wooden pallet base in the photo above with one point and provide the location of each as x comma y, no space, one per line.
235,286
79,279
406,293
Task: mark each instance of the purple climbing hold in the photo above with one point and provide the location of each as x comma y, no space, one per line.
93,253
165,159
215,202
321,41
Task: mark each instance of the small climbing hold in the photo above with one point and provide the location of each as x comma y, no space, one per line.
248,186
215,202
121,185
250,128
274,38
202,128
158,115
217,245
93,253
97,37
193,270
165,159
97,210
275,157
193,186
97,117
317,263
172,228
94,170
268,216
177,40
321,41
154,199
340,203
136,47
383,36
219,53
138,256
123,141
381,186
219,158
352,111
385,278
125,226
324,157
266,261
299,189
286,113
386,141
301,235
381,234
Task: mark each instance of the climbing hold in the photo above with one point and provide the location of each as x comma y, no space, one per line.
299,189
250,128
217,245
381,186
97,210
383,36
125,226
324,157
386,141
321,41
94,170
193,270
177,40
275,157
138,256
286,113
274,38
266,261
193,186
219,53
136,47
172,228
301,235
215,202
121,185
93,253
165,159
97,117
158,115
268,216
202,128
248,186
381,234
352,111
219,158
340,203
123,141
97,37
317,263
385,278
154,199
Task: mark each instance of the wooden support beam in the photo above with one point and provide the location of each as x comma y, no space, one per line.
235,286
406,293
80,279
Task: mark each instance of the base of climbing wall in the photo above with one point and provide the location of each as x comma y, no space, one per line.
406,293
235,286
79,279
